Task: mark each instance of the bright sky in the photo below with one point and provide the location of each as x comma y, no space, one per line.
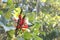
4,0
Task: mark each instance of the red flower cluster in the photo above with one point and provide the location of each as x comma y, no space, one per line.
21,23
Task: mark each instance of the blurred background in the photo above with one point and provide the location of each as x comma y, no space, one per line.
44,14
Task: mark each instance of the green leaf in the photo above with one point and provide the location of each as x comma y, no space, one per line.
8,15
35,32
43,33
10,33
27,35
37,25
9,2
37,38
1,12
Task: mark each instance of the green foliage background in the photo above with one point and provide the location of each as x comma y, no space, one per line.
46,24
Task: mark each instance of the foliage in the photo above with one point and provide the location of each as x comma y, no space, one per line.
46,25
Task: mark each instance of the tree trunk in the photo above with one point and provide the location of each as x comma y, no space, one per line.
0,4
37,7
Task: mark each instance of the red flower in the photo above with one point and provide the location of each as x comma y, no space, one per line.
21,23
